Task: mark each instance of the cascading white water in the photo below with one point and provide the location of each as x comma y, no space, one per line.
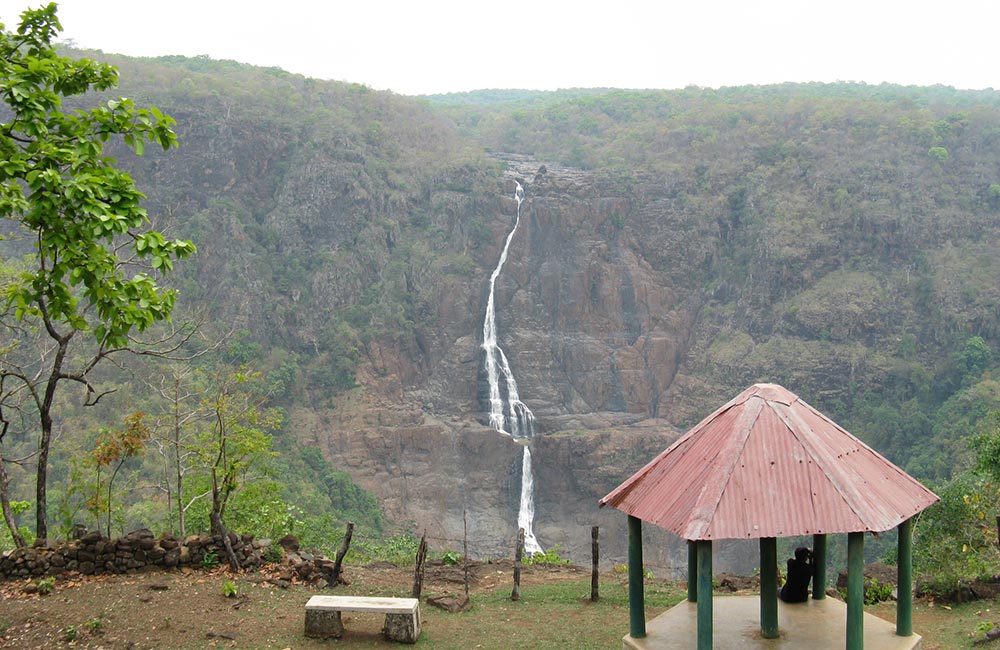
526,513
510,416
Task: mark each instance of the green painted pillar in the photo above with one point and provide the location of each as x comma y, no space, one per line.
904,579
705,594
692,571
636,596
819,560
769,587
855,591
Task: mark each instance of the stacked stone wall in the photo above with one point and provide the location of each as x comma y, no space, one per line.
93,554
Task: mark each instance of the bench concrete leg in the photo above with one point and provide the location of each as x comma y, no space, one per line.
404,628
323,624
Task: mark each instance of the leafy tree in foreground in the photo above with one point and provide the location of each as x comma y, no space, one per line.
90,280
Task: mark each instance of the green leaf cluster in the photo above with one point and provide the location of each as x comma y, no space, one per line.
83,212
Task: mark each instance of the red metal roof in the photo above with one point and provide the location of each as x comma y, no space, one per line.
767,464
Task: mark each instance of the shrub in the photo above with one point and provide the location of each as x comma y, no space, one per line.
622,569
46,585
876,592
94,625
399,550
550,556
274,554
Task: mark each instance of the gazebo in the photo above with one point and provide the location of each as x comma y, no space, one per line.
769,465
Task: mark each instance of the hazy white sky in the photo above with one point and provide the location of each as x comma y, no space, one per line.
431,46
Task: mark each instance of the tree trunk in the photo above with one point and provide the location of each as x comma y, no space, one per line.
45,419
595,556
418,571
41,476
177,460
219,528
8,514
217,525
465,553
339,560
515,594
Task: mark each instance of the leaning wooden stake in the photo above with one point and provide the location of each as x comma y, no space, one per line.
465,552
595,561
418,571
339,560
518,553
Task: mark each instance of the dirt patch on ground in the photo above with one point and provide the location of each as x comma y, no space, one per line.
189,609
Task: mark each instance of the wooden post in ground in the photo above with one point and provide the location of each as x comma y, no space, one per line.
518,553
418,570
339,560
465,552
595,562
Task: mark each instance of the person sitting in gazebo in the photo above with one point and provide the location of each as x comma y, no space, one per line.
800,573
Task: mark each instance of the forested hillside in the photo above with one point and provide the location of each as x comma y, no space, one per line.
844,237
841,240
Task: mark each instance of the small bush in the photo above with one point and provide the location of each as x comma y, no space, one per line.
399,550
274,554
942,587
229,589
451,558
876,592
982,631
550,556
210,560
94,625
622,569
69,634
46,585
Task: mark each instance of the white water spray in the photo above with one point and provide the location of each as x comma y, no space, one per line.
526,513
510,416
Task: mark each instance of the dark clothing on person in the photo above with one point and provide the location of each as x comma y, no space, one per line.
800,573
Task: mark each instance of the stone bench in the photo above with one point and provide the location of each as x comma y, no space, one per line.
402,616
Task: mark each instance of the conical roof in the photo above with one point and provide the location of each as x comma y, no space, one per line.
767,464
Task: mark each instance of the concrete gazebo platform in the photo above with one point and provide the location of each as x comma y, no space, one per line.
815,625
767,465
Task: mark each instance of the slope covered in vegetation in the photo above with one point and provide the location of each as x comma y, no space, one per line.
841,240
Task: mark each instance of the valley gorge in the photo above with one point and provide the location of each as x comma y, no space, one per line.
673,248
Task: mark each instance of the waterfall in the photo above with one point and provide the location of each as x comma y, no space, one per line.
510,416
526,514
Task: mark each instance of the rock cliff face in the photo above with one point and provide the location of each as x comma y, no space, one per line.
787,234
595,335
446,477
